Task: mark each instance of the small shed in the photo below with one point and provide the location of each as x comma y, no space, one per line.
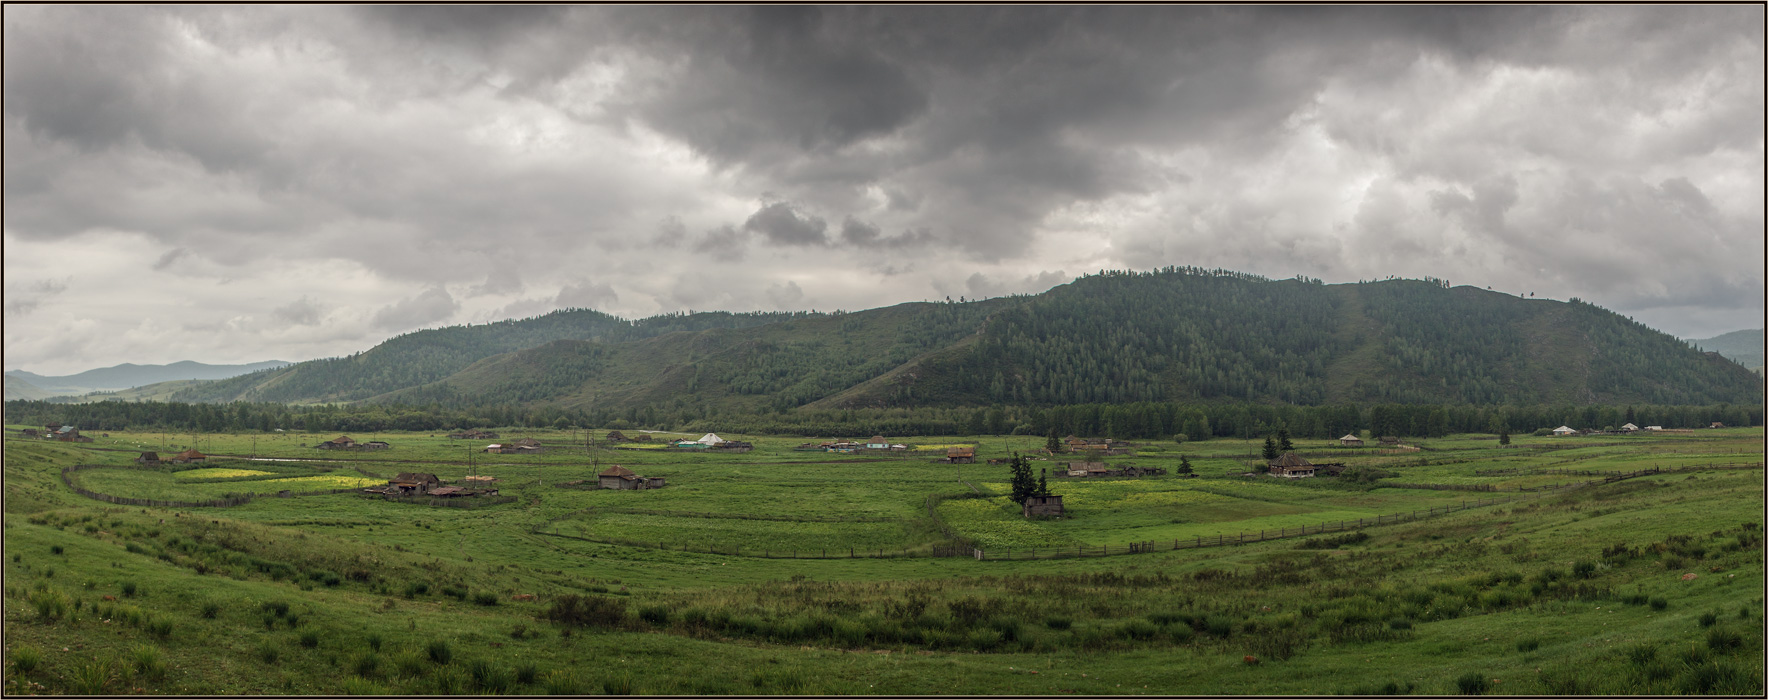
616,436
1350,440
961,455
187,456
617,477
1716,424
1563,430
1291,466
1629,427
709,439
526,442
374,445
642,437
1087,469
341,442
1042,506
877,443
148,458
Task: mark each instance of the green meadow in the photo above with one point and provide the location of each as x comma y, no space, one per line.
784,572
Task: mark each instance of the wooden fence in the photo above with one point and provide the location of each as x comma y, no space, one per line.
1587,472
458,502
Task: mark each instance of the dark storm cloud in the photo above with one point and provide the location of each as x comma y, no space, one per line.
781,224
384,155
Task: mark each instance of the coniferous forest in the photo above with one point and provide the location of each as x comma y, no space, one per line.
1176,351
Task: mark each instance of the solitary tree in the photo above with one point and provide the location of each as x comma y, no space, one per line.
1023,486
1043,486
1270,448
1283,444
1504,437
1052,444
1184,465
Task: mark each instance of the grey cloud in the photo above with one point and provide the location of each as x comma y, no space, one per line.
785,296
780,223
23,299
981,286
503,279
724,242
432,305
300,312
671,232
861,234
171,256
586,295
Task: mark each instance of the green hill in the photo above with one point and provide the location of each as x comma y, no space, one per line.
18,388
1179,334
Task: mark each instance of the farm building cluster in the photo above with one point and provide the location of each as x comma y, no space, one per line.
1290,465
425,484
1099,446
473,434
1564,431
524,446
711,441
615,436
623,479
877,443
57,432
152,459
1099,469
344,442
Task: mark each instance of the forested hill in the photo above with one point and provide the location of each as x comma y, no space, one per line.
1179,334
426,356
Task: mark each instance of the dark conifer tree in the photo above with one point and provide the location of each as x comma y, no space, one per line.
1283,444
1270,448
1023,486
1185,465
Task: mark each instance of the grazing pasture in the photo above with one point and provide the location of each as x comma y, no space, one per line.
1647,585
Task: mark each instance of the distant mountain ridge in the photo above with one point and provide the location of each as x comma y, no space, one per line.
1178,334
1743,347
129,376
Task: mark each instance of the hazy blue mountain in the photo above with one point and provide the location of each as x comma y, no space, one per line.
1743,347
18,388
128,376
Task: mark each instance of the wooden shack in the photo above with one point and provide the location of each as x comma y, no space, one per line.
188,456
1042,506
474,434
621,478
341,442
1350,440
148,458
1291,466
616,436
961,455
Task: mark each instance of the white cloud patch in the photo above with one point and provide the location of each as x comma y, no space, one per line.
432,306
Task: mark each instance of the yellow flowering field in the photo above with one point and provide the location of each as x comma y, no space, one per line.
323,481
992,524
217,473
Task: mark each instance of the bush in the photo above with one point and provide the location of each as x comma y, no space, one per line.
563,682
618,684
485,598
310,639
53,549
25,658
1058,623
359,686
275,607
456,593
268,652
374,641
1471,683
92,678
1528,645
1658,603
439,652
526,673
148,663
210,610
413,590
367,665
129,589
1721,639
1708,618
587,611
654,614
1399,623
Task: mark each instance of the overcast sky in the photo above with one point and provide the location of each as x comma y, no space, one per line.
233,184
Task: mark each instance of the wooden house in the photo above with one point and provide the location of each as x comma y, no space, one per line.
734,446
341,442
1087,469
1564,430
30,433
149,458
621,478
1291,466
374,445
1716,424
68,433
616,436
414,482
188,456
1628,428
961,455
1389,440
1042,506
526,442
1350,440
877,443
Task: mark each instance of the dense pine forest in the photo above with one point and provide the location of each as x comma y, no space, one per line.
1176,351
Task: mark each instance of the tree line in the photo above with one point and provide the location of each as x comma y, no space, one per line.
1137,420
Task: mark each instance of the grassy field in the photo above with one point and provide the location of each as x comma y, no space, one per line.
1644,586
